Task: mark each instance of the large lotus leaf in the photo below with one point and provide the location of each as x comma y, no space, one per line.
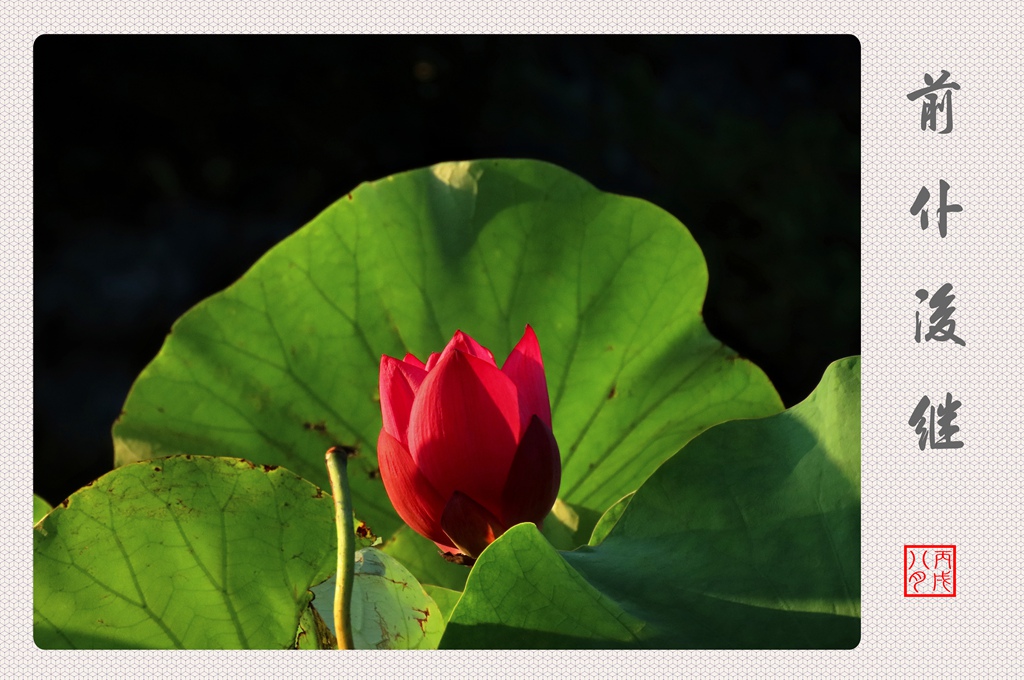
749,537
183,552
284,363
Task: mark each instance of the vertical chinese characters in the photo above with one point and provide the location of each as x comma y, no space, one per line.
930,570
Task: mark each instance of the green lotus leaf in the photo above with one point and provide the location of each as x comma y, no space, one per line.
185,552
390,609
749,537
284,363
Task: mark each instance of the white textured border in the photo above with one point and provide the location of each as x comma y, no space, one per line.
970,497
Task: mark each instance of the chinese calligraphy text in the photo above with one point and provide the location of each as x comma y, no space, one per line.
944,207
933,104
941,416
941,326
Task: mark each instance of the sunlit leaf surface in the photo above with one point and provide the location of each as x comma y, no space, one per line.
182,553
284,363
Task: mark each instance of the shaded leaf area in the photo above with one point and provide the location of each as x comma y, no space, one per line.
185,552
569,525
390,609
284,363
522,594
749,537
39,508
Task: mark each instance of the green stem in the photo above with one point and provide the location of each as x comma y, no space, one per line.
337,461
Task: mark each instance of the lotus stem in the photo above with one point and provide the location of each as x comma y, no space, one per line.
337,463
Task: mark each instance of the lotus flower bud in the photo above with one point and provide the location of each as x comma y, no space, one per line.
466,450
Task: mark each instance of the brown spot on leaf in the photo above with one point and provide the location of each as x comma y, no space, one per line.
374,473
157,468
422,622
611,392
65,502
350,197
270,468
319,426
458,558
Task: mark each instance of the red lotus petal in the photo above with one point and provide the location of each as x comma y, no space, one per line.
415,500
525,368
462,342
399,382
463,428
469,525
432,360
534,478
411,359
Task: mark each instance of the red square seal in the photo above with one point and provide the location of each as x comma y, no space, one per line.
929,571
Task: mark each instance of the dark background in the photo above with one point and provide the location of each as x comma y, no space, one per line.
165,166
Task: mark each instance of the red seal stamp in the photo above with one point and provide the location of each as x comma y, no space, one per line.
929,571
